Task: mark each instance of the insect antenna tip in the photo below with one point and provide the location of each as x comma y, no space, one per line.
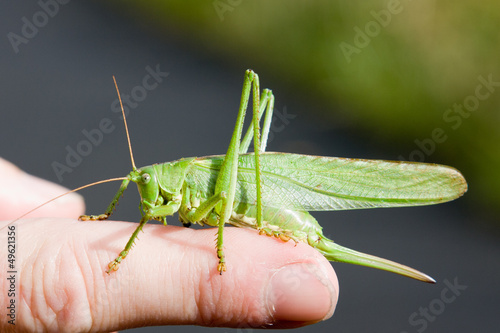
125,123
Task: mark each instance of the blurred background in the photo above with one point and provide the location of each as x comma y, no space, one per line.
399,80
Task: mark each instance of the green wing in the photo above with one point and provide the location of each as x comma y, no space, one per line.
314,183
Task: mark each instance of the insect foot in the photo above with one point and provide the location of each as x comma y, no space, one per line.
221,267
114,265
285,236
222,262
93,217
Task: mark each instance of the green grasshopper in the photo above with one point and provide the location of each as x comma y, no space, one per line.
273,192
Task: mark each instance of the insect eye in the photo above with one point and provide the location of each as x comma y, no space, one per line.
146,178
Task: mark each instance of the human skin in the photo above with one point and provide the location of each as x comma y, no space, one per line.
169,278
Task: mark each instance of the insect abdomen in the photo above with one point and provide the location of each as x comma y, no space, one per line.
297,225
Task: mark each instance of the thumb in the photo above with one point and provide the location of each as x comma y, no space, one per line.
21,192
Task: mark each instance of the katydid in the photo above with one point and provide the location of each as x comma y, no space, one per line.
273,192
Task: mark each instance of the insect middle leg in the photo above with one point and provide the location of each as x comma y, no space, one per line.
152,212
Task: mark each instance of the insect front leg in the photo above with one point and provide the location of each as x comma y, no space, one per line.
111,206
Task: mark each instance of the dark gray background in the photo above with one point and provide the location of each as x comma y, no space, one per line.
59,84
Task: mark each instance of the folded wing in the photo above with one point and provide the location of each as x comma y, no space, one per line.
315,183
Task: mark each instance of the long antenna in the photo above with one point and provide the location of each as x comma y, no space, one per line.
68,192
126,127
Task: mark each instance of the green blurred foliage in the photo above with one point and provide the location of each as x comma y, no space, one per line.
411,62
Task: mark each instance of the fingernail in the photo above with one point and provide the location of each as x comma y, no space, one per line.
300,293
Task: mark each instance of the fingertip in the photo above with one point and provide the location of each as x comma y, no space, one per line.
302,293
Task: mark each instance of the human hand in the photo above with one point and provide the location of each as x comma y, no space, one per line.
169,278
